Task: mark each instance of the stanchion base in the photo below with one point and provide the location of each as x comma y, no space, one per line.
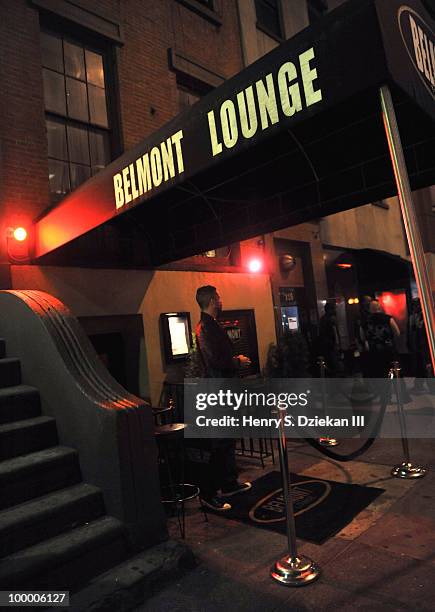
328,441
407,470
295,572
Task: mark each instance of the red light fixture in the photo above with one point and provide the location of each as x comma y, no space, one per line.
344,266
20,234
17,244
255,265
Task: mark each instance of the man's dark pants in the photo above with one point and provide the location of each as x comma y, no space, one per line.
222,467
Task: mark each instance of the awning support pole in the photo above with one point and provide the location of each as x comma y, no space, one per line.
409,216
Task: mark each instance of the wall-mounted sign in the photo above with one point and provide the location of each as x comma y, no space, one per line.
419,41
287,296
234,333
176,335
241,330
282,92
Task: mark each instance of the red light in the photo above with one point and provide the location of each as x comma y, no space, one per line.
20,234
344,266
254,265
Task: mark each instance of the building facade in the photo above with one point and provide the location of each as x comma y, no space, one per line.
80,85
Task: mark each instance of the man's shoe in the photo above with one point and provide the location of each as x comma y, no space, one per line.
235,487
215,503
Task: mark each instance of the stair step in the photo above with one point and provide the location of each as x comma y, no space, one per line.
68,560
2,348
128,584
19,402
48,516
26,436
10,372
29,476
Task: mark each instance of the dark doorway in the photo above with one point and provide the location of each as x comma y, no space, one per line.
110,349
241,330
117,340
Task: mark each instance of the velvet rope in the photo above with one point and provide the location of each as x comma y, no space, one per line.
367,444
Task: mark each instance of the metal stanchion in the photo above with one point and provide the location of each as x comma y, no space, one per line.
404,469
325,440
292,569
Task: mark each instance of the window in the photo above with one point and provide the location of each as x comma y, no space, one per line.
316,9
221,253
187,97
211,10
78,130
190,88
269,17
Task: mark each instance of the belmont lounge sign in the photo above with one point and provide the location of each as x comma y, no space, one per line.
149,170
255,108
419,41
289,122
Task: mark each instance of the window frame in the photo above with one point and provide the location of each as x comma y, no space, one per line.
263,28
213,15
91,42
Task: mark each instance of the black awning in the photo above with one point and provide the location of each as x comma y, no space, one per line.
296,135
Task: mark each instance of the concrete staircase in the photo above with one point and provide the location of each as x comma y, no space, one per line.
54,533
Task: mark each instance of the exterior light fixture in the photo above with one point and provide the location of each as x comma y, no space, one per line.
16,233
287,262
254,265
18,245
19,234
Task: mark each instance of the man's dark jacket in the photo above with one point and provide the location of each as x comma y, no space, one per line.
215,348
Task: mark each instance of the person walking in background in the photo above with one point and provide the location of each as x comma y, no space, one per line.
419,347
329,341
361,334
381,331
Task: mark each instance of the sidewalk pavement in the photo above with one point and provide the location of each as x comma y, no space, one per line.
383,560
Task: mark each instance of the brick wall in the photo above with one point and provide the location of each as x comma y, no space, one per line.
23,147
148,89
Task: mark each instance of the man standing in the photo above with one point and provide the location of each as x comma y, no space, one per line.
215,350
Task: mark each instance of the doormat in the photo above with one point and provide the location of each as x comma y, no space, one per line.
322,507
